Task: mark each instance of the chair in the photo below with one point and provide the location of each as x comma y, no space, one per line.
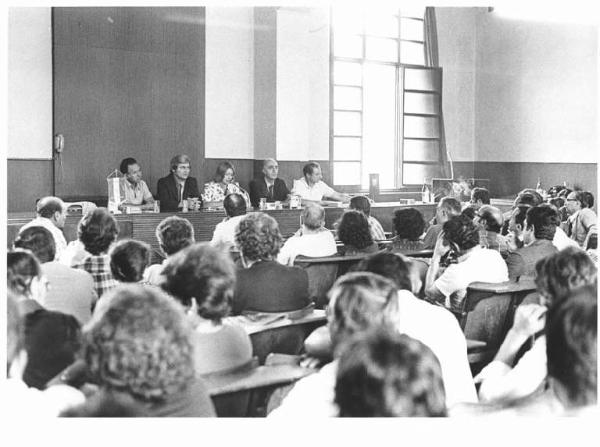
246,391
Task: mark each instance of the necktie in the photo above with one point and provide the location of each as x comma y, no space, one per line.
271,191
179,192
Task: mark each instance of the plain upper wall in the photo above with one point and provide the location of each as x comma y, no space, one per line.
29,83
536,94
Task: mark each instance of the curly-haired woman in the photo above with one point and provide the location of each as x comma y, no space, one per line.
409,226
355,233
264,284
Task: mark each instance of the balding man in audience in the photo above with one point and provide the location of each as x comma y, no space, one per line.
489,220
313,239
224,234
268,185
447,207
51,214
312,188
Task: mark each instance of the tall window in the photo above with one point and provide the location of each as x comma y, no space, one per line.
371,50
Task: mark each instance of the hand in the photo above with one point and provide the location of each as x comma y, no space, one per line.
440,248
529,319
511,240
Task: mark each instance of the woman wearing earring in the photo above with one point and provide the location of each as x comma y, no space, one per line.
223,183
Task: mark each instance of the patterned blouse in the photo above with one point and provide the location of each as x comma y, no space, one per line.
214,192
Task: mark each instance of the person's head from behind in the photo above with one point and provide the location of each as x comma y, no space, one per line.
553,191
392,266
39,241
527,199
479,197
361,203
571,347
540,223
180,167
201,277
52,341
128,260
258,238
461,234
386,374
360,301
139,344
447,207
24,275
489,218
225,173
313,217
131,169
52,208
312,173
408,223
558,274
97,230
173,234
354,230
234,204
588,199
557,202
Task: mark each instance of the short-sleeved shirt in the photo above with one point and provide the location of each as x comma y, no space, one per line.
480,264
99,268
224,233
315,192
136,194
313,245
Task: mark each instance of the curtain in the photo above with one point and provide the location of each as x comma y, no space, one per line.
432,60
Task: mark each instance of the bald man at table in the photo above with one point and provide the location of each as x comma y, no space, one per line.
311,188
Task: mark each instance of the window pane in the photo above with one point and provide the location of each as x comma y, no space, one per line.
346,123
411,29
349,73
415,11
413,174
346,173
379,124
347,45
348,98
347,20
411,53
346,149
423,79
421,127
381,25
421,150
426,103
385,50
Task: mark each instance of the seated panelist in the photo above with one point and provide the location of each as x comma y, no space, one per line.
268,186
173,189
312,188
223,183
135,189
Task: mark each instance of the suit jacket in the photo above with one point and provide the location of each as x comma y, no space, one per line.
166,191
268,286
258,189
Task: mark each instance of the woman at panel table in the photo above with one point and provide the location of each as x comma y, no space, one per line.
224,183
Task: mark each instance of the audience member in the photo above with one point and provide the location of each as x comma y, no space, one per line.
516,226
202,279
268,185
264,284
363,204
582,219
541,222
97,230
224,234
52,340
22,401
479,197
387,374
312,188
409,226
224,184
129,259
26,280
51,214
489,220
135,189
466,262
447,208
178,186
354,233
173,234
70,291
592,245
313,239
139,344
556,277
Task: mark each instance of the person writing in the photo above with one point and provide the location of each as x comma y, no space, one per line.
176,187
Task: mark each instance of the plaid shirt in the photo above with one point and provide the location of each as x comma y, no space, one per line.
99,268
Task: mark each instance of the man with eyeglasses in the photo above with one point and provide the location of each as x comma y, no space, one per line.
268,186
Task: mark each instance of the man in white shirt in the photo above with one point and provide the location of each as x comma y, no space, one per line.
313,239
312,188
51,214
136,190
465,261
224,234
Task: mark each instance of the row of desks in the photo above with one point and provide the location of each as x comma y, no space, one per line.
143,226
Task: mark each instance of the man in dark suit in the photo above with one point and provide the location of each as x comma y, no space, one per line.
176,187
268,185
